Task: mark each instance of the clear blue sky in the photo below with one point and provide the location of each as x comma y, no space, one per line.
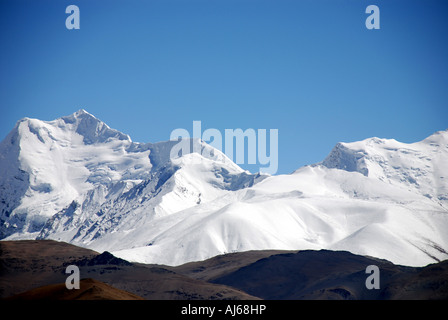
309,68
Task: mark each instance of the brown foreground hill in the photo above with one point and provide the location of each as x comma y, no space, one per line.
89,289
26,265
268,274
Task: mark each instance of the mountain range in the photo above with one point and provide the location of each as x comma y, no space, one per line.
75,179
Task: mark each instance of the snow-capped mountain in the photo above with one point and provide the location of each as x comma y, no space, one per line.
81,173
420,167
77,180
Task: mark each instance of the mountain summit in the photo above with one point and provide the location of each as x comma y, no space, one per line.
77,180
91,129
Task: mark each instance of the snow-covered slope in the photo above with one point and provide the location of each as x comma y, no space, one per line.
313,208
77,180
376,197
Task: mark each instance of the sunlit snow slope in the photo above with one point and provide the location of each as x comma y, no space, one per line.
77,180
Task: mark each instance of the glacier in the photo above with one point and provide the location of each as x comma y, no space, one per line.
77,180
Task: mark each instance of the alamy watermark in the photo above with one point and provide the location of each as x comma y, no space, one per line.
73,20
72,281
373,281
236,143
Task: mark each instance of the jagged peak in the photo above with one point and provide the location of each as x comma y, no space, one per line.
79,115
82,111
92,129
